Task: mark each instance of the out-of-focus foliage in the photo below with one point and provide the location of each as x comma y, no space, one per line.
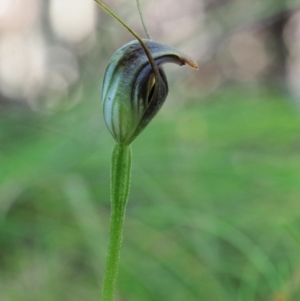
214,207
213,210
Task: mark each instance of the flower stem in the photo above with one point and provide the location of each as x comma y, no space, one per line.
120,183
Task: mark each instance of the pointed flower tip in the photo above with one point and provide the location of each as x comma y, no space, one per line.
191,63
194,65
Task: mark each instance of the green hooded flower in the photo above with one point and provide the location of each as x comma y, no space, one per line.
132,91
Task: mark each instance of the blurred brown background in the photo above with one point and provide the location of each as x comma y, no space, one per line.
47,47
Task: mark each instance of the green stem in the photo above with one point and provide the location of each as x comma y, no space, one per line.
120,182
142,19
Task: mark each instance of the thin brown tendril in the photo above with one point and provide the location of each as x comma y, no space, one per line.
148,53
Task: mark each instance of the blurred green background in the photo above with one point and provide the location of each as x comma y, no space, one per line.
214,205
